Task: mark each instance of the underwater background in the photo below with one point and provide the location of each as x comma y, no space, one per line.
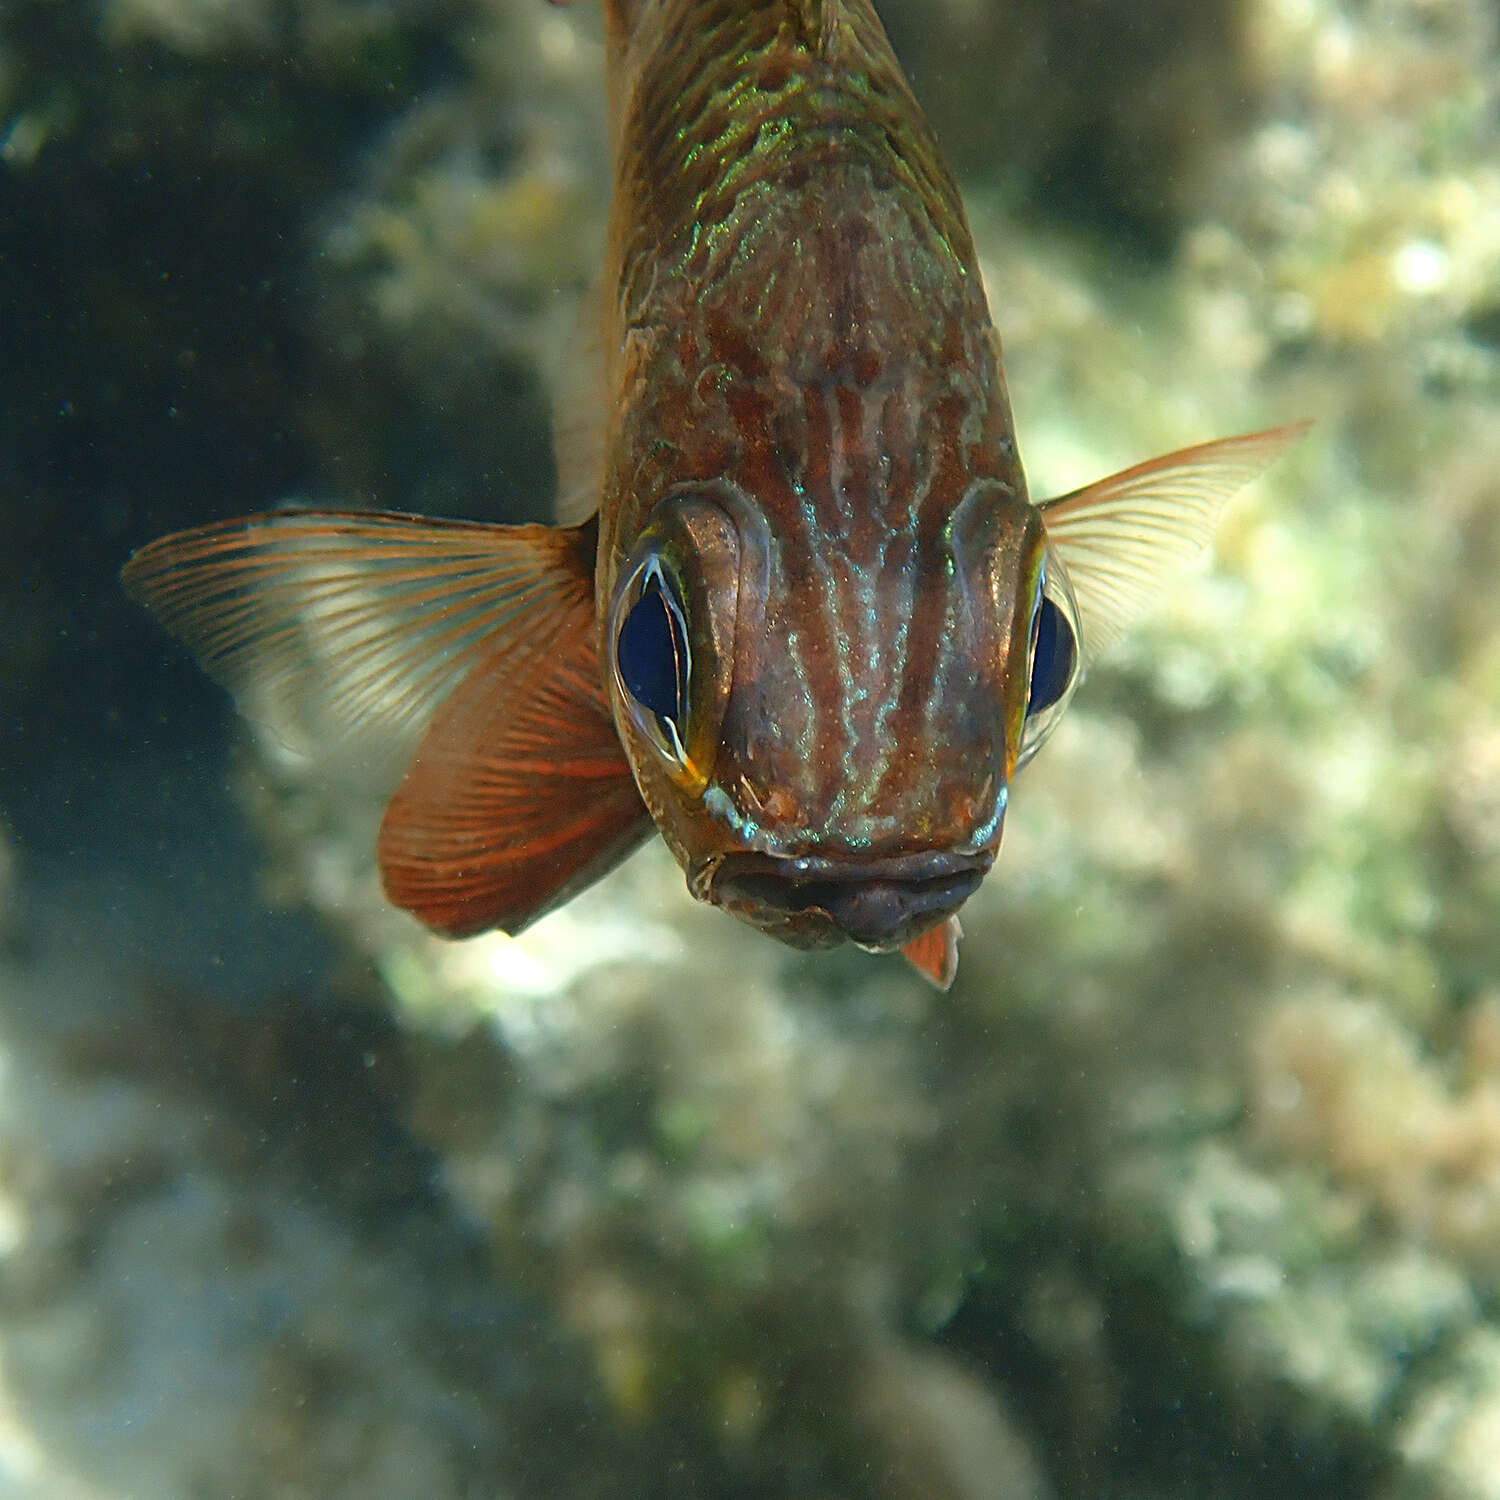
1189,1187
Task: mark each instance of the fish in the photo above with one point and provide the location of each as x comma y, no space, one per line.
798,614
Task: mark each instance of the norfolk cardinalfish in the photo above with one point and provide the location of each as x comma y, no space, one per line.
802,618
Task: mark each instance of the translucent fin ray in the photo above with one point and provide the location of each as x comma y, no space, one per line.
341,631
1122,537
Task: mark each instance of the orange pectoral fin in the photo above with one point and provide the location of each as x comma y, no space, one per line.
520,794
462,651
934,955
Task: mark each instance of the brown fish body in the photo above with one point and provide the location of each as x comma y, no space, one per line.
815,625
803,340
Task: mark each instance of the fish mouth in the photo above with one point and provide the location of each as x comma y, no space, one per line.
819,900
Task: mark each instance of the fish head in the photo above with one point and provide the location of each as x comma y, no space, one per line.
825,728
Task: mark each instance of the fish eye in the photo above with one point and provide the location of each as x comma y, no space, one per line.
652,659
1056,661
1053,652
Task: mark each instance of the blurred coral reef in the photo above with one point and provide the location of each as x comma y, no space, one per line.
1191,1185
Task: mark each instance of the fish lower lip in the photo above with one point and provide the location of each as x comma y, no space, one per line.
877,903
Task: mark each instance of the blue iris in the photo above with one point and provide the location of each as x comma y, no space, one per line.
1052,657
651,650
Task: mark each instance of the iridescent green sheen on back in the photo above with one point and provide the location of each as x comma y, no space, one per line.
747,105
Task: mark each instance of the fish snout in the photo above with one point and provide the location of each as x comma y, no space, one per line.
877,903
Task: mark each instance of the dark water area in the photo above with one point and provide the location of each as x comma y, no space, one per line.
131,302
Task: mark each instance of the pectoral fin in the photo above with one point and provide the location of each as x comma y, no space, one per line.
343,631
1120,538
934,955
519,794
465,653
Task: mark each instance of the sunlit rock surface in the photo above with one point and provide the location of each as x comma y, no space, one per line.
1190,1186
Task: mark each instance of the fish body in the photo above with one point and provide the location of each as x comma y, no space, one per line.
802,345
811,623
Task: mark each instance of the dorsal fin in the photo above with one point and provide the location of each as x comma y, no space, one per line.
578,415
817,23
